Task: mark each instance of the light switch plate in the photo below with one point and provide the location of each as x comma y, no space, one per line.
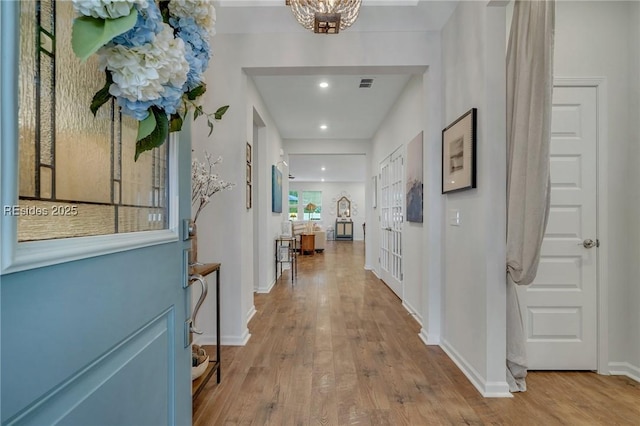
454,217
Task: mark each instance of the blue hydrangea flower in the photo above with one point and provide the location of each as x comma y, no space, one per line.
196,40
170,100
148,25
136,109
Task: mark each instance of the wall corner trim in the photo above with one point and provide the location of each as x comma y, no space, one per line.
486,389
625,369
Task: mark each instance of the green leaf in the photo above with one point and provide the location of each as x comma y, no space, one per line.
157,137
146,126
210,127
164,11
102,96
197,112
175,124
220,112
193,94
90,34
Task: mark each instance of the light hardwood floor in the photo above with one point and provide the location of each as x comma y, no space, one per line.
338,348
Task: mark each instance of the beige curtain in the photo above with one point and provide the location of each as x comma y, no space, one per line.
529,90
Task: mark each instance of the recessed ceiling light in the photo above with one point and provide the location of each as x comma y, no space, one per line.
323,168
323,126
324,84
322,180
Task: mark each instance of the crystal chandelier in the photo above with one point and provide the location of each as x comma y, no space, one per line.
325,16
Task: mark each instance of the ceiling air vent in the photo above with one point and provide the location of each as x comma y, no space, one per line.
366,83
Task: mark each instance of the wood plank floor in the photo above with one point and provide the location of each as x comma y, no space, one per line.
337,348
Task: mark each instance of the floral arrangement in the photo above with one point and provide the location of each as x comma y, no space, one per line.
153,55
205,183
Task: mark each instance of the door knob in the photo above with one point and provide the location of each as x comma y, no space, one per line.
589,243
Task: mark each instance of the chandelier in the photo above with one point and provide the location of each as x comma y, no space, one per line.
325,16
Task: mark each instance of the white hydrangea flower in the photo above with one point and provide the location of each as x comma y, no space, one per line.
106,9
202,11
167,53
139,73
132,78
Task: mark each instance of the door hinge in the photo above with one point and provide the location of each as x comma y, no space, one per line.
597,242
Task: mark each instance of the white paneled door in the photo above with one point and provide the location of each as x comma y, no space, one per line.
560,307
391,218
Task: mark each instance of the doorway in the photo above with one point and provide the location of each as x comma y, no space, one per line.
391,219
561,309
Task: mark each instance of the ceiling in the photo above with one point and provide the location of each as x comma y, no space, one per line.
272,16
338,167
299,106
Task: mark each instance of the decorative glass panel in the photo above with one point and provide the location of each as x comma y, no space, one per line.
77,173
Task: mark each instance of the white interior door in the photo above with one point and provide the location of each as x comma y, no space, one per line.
560,306
391,218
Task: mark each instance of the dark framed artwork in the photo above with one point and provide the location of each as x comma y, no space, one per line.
459,153
276,190
249,177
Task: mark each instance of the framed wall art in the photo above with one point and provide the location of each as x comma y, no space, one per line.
414,180
276,190
249,177
459,153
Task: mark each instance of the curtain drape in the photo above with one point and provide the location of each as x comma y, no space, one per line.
529,91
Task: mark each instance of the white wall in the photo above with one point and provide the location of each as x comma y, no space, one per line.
404,121
330,192
226,232
634,159
474,332
226,227
600,39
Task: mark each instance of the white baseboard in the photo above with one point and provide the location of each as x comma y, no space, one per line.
266,290
625,369
210,339
251,313
433,340
413,312
376,274
367,267
486,389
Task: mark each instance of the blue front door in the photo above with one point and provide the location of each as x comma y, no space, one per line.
94,339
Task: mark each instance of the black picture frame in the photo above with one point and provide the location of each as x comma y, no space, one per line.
459,153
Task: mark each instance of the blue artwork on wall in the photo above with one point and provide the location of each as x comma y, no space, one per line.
276,190
414,180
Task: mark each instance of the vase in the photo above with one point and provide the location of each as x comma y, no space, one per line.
193,234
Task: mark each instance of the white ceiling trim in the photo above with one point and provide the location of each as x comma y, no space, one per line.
270,3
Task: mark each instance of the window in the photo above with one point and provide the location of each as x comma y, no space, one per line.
77,173
293,205
312,205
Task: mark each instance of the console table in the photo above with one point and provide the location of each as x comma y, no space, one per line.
344,230
286,252
214,365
